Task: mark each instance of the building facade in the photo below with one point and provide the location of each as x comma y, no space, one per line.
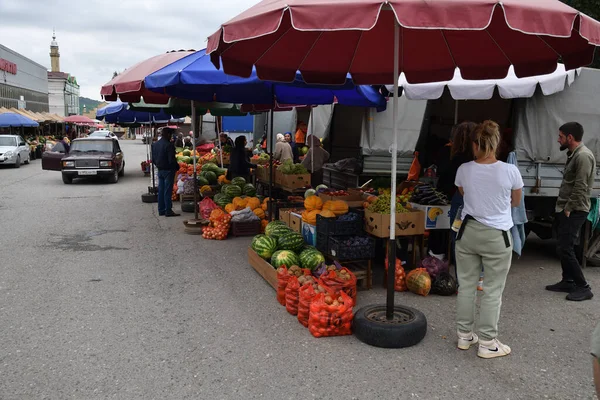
63,89
23,82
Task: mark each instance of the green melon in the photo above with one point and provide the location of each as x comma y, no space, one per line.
211,167
218,196
264,246
202,181
223,201
271,225
249,190
210,176
187,153
238,181
291,241
311,259
179,150
232,191
284,257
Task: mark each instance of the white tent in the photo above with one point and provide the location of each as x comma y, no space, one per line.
510,87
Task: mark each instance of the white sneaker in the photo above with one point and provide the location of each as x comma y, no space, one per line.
492,349
466,340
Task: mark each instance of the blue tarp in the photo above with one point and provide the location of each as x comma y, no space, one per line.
15,120
118,112
194,77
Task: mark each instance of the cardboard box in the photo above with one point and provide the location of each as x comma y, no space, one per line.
436,217
296,222
261,266
262,174
407,224
354,199
293,181
309,233
284,215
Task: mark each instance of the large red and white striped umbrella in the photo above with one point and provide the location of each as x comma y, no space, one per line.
325,39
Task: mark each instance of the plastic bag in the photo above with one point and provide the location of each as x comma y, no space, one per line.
245,215
282,280
434,266
322,269
418,281
188,186
444,285
206,206
291,295
342,280
400,276
331,319
305,297
415,169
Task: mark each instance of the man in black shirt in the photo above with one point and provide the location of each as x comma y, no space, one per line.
163,157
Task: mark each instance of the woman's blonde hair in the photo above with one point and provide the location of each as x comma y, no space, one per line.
487,138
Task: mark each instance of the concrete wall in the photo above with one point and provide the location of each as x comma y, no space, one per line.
56,97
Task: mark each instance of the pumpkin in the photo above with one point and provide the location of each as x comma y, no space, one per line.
253,203
339,207
216,213
327,214
205,189
222,180
239,203
229,207
310,217
259,213
418,281
313,203
263,225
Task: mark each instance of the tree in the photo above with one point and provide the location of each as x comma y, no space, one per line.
592,9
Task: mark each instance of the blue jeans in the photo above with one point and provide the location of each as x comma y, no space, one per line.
165,188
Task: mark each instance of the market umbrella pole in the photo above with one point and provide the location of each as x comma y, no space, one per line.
194,152
271,172
391,272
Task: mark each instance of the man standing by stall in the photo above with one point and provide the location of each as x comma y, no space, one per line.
572,208
163,156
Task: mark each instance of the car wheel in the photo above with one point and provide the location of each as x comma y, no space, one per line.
67,180
18,163
114,178
407,328
122,172
149,198
28,158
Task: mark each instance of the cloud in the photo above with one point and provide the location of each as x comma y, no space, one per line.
98,37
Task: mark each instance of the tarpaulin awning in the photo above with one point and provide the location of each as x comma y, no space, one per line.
14,120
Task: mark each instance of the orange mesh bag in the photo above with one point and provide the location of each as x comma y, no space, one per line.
415,169
400,277
282,280
342,280
306,295
291,295
330,316
418,281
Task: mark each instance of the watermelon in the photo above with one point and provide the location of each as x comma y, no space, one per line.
249,190
202,181
276,229
218,196
224,187
310,192
186,160
179,150
311,259
291,241
232,191
210,176
264,246
223,201
187,153
211,167
271,225
238,181
284,257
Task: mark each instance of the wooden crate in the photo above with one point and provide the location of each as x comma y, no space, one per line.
261,266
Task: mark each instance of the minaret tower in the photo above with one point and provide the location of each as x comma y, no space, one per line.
54,54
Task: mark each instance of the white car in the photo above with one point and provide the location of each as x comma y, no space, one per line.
103,133
14,150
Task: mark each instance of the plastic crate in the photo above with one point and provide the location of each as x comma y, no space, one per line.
250,228
323,243
333,226
344,252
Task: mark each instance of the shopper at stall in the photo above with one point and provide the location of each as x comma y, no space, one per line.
490,188
240,163
65,143
225,140
316,157
283,150
187,142
163,157
179,141
301,130
288,138
572,208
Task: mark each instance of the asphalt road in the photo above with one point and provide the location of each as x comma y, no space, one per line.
102,299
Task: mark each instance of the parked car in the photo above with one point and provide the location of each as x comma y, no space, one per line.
102,133
88,157
14,150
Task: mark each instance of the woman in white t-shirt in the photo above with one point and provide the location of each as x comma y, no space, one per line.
490,188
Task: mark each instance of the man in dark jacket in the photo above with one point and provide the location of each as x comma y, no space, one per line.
163,157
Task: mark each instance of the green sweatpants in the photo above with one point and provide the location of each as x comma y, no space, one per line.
481,245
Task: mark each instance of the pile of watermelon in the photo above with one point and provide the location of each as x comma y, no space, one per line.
237,188
282,246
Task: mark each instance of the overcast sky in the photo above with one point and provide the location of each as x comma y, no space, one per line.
97,37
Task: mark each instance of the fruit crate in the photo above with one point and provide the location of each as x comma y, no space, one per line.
323,244
333,226
352,247
246,228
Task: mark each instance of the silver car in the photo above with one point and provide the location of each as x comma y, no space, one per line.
14,150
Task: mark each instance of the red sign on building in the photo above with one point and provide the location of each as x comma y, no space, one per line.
7,66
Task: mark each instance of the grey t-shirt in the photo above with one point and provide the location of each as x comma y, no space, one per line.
596,342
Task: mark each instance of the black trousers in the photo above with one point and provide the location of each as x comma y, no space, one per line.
568,229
